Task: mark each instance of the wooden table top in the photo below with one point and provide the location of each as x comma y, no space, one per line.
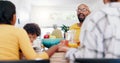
58,57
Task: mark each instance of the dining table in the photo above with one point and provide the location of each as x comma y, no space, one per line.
58,57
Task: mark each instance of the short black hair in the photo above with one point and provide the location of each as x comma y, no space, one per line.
7,10
32,28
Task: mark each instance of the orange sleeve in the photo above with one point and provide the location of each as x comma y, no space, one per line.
43,55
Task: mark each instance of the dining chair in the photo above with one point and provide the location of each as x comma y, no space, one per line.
26,61
79,60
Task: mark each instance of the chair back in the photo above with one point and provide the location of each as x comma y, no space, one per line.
26,61
78,60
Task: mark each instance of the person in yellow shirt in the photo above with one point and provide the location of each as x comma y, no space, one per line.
33,30
56,32
13,39
82,12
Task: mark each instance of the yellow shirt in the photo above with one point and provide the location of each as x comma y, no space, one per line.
77,31
13,39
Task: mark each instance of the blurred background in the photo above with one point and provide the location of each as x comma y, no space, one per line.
48,12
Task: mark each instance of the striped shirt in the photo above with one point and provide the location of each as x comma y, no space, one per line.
100,34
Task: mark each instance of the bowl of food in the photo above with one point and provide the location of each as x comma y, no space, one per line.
50,42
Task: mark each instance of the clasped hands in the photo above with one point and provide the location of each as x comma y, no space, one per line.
63,46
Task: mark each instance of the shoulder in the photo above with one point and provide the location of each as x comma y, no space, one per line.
73,25
19,30
96,15
56,30
94,18
108,10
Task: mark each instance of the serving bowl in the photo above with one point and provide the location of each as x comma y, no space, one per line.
50,42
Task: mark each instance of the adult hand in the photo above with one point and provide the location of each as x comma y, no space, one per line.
62,47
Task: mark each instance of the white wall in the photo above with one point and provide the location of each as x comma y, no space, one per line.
27,9
39,10
49,15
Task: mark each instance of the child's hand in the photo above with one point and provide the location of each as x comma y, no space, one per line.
63,48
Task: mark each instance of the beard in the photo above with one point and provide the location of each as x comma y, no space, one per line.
81,17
